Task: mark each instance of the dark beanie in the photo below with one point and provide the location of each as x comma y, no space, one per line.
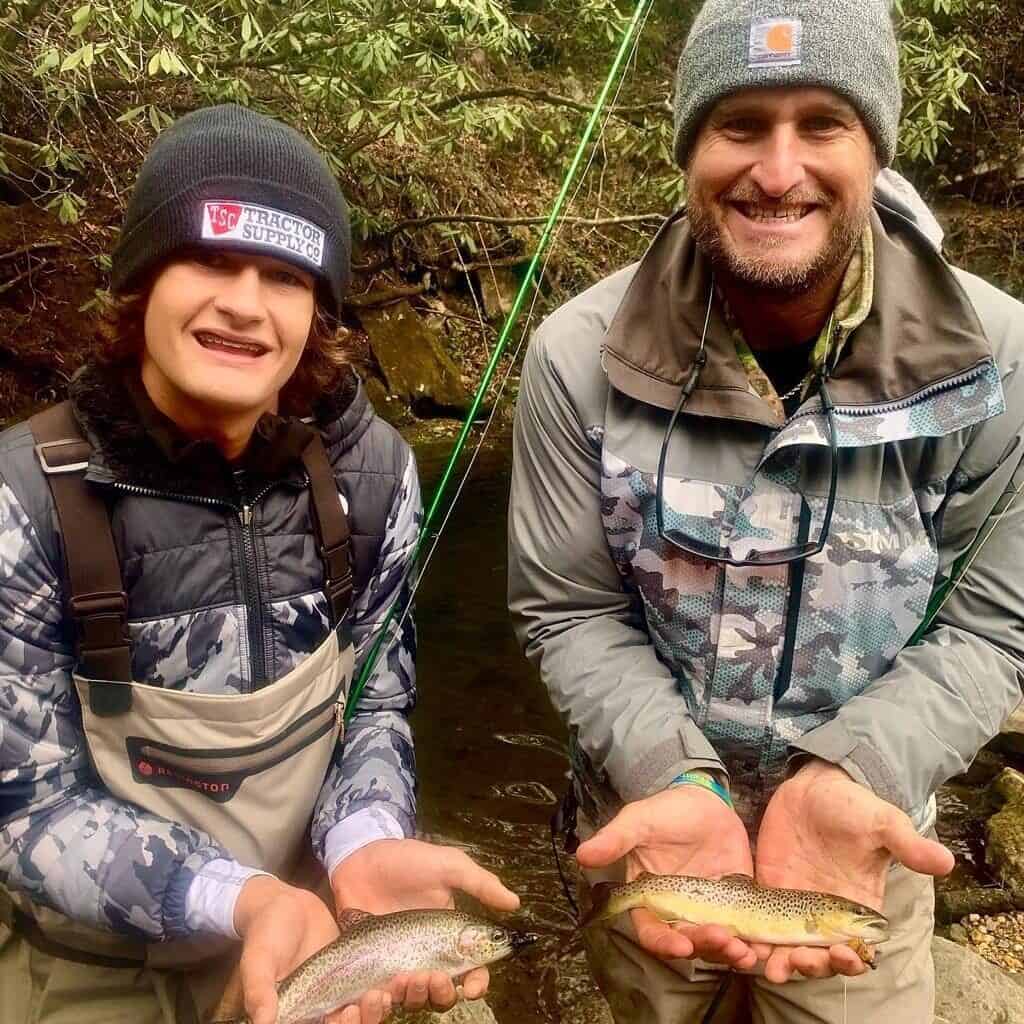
228,177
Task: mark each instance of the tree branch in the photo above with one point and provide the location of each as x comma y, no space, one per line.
543,96
382,296
590,222
21,250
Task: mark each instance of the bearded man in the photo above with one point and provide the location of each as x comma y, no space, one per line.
761,519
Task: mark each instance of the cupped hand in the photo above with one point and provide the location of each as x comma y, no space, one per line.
824,831
280,926
682,831
407,874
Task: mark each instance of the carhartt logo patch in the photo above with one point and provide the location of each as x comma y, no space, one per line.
776,42
264,227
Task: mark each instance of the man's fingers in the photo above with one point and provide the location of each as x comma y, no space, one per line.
811,963
778,969
417,992
659,938
474,985
608,844
441,989
259,990
465,874
845,961
914,851
717,944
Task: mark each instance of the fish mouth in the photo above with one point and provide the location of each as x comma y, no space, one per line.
522,940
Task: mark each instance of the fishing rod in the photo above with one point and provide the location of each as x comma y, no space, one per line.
530,281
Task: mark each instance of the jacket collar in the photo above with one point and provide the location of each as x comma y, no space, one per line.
921,330
135,444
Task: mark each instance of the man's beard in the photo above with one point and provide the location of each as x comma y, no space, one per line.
759,270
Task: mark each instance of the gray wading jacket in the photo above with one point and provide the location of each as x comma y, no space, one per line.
660,662
215,605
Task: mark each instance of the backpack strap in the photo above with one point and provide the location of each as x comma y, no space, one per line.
96,600
332,530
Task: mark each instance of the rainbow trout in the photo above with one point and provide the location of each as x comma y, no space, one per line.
754,913
372,949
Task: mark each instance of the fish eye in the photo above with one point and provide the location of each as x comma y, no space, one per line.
497,934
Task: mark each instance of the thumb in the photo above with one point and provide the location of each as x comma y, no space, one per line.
480,883
914,851
260,990
608,844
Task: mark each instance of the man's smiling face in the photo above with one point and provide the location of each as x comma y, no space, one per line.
224,332
780,184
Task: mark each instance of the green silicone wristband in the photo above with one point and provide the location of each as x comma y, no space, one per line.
705,781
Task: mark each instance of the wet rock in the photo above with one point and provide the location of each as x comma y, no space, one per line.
969,989
958,934
472,1011
499,287
954,904
1011,739
1004,832
389,407
415,366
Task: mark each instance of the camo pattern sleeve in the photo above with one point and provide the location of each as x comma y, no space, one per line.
370,790
64,840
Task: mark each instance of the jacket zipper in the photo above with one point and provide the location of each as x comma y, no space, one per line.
902,403
796,590
241,521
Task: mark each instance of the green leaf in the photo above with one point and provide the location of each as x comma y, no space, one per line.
80,20
154,64
130,115
154,118
356,119
246,29
166,63
137,9
88,55
72,60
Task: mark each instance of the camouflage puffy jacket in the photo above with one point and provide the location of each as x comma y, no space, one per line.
660,661
215,605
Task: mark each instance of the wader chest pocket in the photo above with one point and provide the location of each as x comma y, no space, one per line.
218,773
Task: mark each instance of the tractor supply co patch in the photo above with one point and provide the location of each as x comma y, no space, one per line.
262,226
776,43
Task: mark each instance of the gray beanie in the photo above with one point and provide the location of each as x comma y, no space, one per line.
848,46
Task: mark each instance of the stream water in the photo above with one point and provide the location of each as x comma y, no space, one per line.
490,748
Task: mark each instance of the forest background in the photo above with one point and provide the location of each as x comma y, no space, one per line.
450,124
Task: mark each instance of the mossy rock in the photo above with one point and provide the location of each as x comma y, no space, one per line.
1004,832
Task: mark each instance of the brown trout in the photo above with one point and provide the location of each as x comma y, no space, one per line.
372,949
754,913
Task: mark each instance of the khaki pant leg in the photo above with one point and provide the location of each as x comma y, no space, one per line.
641,989
900,991
41,989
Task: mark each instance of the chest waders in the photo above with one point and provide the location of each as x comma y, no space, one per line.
245,768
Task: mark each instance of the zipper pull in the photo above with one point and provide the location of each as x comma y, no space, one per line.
339,713
246,515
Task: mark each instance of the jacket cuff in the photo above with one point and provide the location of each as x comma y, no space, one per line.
834,743
687,751
356,831
212,895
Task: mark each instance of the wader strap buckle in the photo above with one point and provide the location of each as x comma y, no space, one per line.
95,596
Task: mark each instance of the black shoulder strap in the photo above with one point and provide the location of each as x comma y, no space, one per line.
96,600
331,525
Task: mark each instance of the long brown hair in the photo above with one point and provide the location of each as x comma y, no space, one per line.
322,366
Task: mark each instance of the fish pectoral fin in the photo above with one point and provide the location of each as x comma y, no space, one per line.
351,916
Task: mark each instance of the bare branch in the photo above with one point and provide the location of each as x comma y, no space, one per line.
21,250
543,96
382,296
589,222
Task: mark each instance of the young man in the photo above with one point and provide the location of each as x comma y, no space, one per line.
743,468
196,555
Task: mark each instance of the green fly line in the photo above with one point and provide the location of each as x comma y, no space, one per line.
530,281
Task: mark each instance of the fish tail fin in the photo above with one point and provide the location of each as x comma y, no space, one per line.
600,897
